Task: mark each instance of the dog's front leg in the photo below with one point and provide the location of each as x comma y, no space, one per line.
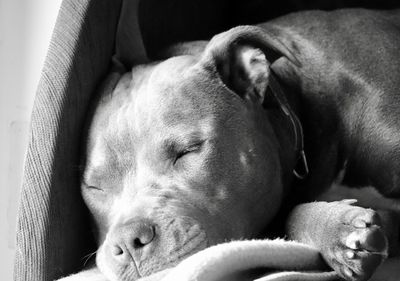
349,237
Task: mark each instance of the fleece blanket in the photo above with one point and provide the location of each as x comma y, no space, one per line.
246,260
276,260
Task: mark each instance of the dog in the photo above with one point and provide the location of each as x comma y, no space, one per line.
208,145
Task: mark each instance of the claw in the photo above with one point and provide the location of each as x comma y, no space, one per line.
349,201
352,241
360,223
350,254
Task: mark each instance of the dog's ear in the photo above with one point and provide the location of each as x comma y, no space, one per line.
242,56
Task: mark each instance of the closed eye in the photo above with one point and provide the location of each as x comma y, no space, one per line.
190,149
92,187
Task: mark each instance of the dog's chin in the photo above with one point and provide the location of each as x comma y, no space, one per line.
179,240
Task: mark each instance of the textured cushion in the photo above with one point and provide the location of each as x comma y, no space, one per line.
52,232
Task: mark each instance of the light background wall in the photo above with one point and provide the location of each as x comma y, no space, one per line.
25,31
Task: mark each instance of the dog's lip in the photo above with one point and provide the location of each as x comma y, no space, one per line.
133,271
186,250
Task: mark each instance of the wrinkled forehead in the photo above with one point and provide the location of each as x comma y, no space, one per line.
176,93
163,99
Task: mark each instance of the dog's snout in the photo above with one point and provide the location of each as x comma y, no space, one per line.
128,238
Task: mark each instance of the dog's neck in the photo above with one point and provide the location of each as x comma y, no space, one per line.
277,103
283,114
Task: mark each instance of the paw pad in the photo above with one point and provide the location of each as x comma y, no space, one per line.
360,246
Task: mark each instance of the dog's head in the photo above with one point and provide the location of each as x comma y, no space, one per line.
182,156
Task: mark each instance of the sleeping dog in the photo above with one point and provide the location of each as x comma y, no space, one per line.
210,144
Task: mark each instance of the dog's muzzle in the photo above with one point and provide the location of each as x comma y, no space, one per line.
141,247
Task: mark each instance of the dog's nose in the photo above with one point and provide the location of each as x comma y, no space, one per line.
128,238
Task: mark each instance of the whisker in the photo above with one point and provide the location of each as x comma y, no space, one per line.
88,256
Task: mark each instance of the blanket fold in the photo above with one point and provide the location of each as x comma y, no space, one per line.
282,260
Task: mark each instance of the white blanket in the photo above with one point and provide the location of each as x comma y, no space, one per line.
284,260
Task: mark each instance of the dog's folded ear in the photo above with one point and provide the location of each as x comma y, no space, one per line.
242,56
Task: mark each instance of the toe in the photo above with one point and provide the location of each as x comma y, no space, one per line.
367,218
350,254
365,264
373,239
352,241
370,239
359,266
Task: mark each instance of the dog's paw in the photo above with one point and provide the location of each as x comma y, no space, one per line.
357,243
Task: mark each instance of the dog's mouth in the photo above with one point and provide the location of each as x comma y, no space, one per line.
175,241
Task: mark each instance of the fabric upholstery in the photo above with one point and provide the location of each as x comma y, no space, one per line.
52,232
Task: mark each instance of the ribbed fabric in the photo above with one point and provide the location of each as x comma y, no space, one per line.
52,232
